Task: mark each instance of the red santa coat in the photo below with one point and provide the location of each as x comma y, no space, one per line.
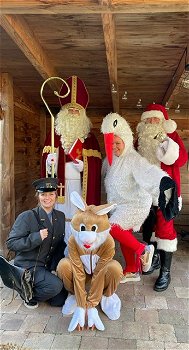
173,169
91,176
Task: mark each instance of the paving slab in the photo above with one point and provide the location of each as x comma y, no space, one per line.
149,320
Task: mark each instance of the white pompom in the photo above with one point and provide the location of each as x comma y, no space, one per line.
169,126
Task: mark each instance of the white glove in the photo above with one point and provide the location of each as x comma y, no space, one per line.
94,319
77,319
79,165
51,159
162,148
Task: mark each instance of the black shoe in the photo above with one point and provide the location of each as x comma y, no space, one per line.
155,264
31,304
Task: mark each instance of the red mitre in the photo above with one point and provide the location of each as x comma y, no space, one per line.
78,96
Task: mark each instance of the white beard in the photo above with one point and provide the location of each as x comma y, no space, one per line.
149,137
71,127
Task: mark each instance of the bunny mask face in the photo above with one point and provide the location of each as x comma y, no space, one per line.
90,225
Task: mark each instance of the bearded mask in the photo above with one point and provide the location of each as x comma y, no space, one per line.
71,127
149,137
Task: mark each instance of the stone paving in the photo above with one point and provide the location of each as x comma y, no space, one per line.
149,320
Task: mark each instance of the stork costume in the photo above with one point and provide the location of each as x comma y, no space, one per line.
83,176
160,144
131,182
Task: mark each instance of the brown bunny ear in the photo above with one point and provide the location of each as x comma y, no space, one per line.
104,209
78,201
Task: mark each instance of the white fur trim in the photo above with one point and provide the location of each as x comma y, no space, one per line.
169,126
167,244
169,155
151,114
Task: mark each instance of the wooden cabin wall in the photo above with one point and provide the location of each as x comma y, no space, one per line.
133,117
29,130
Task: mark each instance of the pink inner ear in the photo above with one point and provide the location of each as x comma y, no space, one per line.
108,141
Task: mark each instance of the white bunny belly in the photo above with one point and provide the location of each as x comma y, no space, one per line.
89,262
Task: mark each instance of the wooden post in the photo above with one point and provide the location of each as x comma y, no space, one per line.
7,192
43,128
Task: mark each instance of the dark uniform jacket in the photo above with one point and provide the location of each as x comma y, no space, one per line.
25,240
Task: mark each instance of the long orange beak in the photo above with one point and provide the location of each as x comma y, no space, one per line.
108,141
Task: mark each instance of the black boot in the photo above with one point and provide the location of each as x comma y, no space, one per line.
155,263
164,278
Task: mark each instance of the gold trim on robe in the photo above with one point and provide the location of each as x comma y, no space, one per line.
87,153
47,149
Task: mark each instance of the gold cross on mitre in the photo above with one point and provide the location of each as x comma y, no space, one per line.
79,153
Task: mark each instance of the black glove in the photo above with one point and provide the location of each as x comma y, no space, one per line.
169,207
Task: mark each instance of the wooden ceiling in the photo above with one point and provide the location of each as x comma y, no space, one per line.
142,47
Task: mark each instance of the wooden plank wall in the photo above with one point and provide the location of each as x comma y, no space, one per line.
27,121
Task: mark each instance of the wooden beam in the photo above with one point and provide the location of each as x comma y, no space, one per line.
7,194
21,34
176,79
90,6
111,55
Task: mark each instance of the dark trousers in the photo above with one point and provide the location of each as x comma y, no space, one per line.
149,225
48,287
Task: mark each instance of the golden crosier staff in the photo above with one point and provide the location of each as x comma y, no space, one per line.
52,117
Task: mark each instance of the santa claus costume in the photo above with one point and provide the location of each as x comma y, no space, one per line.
160,144
84,174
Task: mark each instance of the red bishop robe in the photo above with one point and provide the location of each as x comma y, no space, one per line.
91,175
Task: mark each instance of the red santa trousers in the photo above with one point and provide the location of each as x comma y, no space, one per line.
165,233
130,246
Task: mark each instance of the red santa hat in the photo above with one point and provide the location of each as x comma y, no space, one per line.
78,96
159,111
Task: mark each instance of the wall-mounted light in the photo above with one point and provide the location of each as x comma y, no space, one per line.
139,103
167,106
114,91
124,97
177,110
